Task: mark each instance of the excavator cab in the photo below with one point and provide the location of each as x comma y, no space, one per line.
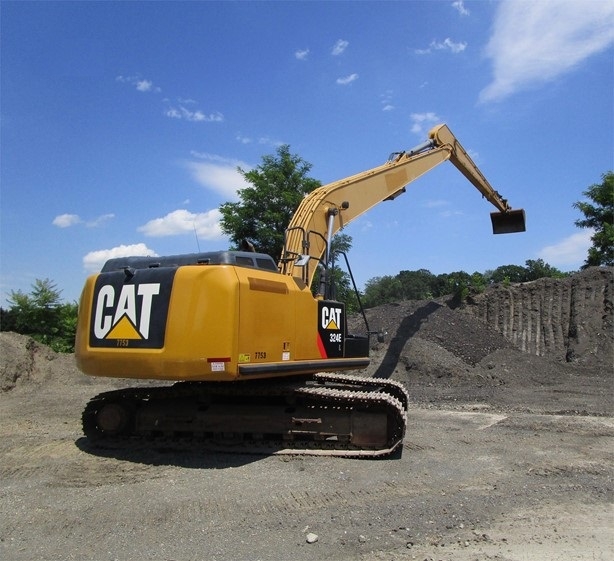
508,222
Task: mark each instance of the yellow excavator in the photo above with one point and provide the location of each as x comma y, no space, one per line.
256,358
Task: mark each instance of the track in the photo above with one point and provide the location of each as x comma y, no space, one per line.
336,415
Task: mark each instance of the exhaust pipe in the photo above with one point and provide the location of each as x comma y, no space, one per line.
508,222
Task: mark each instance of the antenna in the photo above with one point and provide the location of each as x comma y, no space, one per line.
196,236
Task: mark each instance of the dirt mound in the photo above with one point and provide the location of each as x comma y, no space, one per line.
513,347
566,319
454,331
24,362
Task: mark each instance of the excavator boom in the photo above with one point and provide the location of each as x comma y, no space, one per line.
331,207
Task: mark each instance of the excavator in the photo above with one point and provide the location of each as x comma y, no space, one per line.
258,360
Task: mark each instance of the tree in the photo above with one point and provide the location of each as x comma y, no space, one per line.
600,217
265,209
417,285
42,315
509,273
538,269
382,290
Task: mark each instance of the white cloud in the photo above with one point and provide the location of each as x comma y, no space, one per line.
450,213
144,85
218,174
446,45
139,83
94,260
179,111
205,224
219,159
571,251
366,225
423,122
66,220
100,220
386,100
450,45
268,141
339,47
535,42
264,140
301,54
196,116
441,208
435,203
345,80
460,7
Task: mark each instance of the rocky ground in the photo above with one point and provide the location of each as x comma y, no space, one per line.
508,454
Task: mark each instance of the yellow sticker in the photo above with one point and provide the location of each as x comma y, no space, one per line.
244,357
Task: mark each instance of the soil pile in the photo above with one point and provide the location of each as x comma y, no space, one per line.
566,319
24,362
526,338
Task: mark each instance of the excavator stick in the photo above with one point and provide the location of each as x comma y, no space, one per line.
508,222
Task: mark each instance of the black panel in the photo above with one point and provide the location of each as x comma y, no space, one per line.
130,309
331,327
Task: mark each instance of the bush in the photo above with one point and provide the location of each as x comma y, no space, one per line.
42,315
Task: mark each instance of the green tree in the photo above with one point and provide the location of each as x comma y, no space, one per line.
458,284
478,282
266,207
42,315
599,216
537,269
451,283
417,285
509,273
382,290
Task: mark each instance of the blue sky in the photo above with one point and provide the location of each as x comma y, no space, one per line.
123,123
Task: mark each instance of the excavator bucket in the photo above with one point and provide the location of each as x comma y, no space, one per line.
508,222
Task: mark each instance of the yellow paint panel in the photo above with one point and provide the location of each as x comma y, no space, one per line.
396,179
267,285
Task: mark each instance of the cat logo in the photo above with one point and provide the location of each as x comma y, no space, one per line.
118,320
331,329
130,314
330,317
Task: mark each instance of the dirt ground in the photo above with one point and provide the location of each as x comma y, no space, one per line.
507,457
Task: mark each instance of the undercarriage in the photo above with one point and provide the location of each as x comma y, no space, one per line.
327,414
